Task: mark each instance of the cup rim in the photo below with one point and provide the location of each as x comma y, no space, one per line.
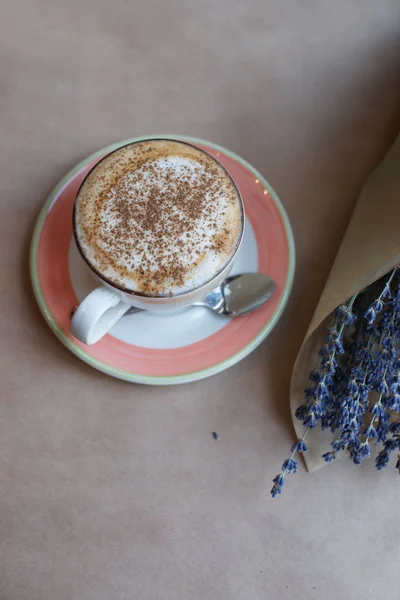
141,294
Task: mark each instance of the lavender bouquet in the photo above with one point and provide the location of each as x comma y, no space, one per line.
352,344
354,391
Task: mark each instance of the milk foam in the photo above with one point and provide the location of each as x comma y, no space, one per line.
158,217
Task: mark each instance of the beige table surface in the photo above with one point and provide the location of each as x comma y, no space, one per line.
114,491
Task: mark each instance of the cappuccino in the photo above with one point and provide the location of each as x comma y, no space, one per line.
158,218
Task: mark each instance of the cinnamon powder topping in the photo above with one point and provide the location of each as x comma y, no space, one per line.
158,217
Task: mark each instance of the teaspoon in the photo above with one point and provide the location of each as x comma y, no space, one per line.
237,295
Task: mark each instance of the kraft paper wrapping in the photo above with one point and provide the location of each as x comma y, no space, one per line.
370,248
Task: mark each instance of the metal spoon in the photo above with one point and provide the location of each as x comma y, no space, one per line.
237,295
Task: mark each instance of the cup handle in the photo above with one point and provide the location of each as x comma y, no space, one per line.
95,316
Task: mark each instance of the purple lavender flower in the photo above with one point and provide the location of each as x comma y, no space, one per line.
353,386
300,446
290,465
384,455
370,315
395,427
329,456
370,432
386,293
383,387
377,305
360,452
318,396
279,480
393,402
378,410
375,308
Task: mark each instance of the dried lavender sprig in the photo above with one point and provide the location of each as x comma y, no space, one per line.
289,466
317,397
377,305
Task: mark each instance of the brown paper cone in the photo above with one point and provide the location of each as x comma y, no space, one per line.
370,248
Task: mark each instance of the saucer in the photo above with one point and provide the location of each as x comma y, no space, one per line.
164,349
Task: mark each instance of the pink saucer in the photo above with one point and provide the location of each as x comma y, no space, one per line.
177,348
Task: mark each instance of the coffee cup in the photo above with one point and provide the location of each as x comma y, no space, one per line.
158,224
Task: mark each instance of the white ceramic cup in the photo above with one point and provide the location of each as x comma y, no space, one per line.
103,307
